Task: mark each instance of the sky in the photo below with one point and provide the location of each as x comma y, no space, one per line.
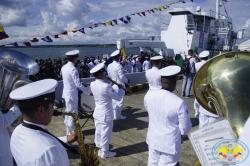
25,19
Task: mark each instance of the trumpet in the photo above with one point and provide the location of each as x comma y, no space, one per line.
88,154
127,88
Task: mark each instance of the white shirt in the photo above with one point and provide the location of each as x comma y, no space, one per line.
36,148
154,78
71,82
6,120
115,72
103,94
146,65
168,120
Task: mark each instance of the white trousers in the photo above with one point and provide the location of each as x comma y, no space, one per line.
103,132
157,158
117,105
70,106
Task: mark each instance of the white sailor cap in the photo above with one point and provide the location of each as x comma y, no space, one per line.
115,53
72,53
154,58
204,54
97,68
34,89
170,70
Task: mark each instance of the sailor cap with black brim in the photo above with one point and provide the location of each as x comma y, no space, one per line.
204,54
156,58
170,71
72,53
97,68
42,91
115,53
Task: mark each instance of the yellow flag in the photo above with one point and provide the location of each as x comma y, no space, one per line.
123,54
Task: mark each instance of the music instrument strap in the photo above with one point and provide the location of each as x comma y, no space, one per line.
34,127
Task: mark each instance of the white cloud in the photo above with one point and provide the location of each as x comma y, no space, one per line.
47,17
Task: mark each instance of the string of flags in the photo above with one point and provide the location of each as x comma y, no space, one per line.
111,22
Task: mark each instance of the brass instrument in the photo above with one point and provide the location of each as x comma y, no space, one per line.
222,87
127,88
88,154
15,66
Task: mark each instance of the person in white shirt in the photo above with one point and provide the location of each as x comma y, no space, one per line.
71,84
146,64
103,114
116,74
201,113
6,119
168,120
30,143
152,75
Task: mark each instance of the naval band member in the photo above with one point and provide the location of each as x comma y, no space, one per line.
71,84
168,120
6,119
152,75
30,143
103,114
201,113
115,72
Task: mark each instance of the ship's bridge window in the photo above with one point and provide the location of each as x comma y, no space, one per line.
202,23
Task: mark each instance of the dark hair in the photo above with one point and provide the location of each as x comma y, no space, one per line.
96,74
29,106
72,58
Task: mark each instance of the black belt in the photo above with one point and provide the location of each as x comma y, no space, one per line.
34,127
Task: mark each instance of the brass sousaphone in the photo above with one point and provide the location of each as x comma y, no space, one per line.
15,67
222,86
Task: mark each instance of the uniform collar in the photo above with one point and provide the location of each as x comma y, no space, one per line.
71,63
40,125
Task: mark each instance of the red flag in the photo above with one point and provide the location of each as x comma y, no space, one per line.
3,35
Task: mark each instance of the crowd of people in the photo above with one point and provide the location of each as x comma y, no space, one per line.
168,113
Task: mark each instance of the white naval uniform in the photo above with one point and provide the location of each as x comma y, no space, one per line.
5,121
103,114
71,84
115,72
204,116
168,120
36,148
153,77
146,65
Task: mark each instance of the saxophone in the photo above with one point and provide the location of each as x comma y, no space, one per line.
88,154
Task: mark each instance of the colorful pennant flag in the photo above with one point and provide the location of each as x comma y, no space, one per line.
56,36
3,35
64,33
115,21
109,22
123,20
27,44
47,39
81,30
34,40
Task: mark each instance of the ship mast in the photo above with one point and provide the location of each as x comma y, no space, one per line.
218,3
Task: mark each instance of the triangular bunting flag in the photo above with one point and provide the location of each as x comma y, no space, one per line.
3,35
109,22
139,14
56,36
34,40
143,13
81,30
152,10
128,18
27,44
64,33
123,20
115,21
90,27
74,31
162,8
47,39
